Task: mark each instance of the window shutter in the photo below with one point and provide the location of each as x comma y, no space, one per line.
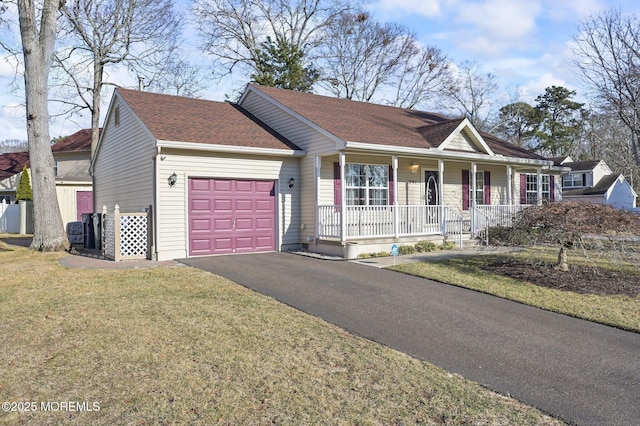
552,189
337,185
523,189
465,190
392,189
487,188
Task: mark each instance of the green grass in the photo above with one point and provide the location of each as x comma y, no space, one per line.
180,346
617,311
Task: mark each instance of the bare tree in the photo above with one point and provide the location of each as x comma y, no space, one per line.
137,34
422,78
13,145
362,57
609,139
180,78
233,30
38,35
607,50
470,93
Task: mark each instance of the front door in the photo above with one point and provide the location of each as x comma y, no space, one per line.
431,196
84,203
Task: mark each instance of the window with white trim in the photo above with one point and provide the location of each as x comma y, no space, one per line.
573,180
55,166
477,193
532,188
367,184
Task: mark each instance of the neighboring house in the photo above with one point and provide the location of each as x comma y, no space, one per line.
72,157
284,169
594,181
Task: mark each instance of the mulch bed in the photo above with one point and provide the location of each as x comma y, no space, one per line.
579,279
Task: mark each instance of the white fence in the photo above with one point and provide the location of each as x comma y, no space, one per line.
10,218
125,236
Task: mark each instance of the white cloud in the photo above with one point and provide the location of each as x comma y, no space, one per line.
427,8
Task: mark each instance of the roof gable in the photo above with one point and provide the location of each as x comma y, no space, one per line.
179,119
12,163
466,138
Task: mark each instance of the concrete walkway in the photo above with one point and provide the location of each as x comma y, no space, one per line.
579,371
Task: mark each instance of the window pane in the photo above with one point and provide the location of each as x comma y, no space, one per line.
378,197
356,196
378,176
355,175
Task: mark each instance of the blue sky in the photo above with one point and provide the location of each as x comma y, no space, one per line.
526,44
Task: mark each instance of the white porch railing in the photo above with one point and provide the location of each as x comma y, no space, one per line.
379,221
501,215
413,220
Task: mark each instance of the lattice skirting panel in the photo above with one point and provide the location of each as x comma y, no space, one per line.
133,236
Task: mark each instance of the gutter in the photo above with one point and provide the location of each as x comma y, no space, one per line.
230,149
438,153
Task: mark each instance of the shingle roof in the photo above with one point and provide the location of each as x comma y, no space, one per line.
582,165
600,188
12,163
355,121
79,141
179,119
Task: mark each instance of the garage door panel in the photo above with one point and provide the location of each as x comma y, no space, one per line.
222,185
242,205
200,225
223,205
222,225
231,216
197,185
201,205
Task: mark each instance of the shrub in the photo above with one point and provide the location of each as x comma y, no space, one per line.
425,246
447,245
23,192
406,249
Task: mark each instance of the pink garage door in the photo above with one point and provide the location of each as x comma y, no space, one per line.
231,216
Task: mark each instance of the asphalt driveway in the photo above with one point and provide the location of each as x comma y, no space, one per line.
576,370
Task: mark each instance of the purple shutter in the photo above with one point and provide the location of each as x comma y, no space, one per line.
337,185
392,189
552,187
487,188
523,189
465,190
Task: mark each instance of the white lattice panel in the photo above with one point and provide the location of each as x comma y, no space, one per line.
109,230
133,236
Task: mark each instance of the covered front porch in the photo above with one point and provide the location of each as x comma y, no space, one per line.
407,198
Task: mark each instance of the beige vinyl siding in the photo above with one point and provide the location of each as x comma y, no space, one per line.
67,200
123,169
74,165
304,136
461,143
173,207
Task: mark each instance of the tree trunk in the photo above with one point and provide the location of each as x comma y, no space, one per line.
562,260
37,46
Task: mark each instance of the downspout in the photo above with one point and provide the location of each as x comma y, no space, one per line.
156,197
509,185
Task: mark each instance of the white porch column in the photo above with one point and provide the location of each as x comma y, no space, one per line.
318,165
396,214
343,200
539,186
441,195
474,170
509,185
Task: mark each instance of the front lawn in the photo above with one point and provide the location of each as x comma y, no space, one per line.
180,346
594,289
